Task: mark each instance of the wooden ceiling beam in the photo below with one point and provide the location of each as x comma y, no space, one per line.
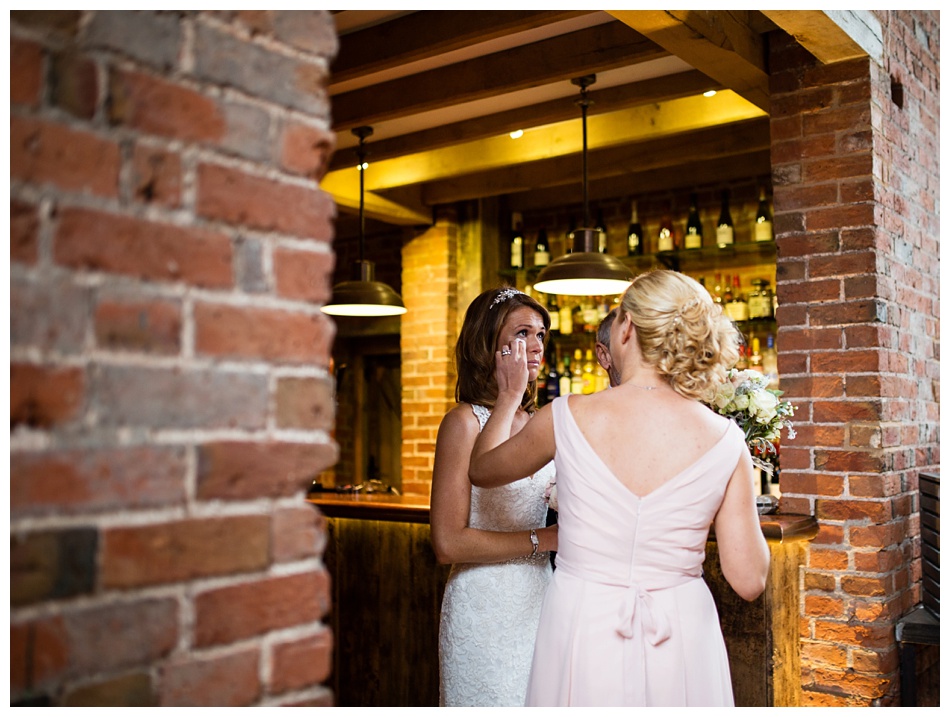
556,59
424,35
720,43
611,99
834,35
678,150
702,172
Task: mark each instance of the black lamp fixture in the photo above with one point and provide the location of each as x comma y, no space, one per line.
364,296
584,271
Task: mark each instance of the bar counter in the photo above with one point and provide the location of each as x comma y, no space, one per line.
387,593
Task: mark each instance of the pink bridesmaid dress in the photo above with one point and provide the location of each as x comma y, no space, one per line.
627,618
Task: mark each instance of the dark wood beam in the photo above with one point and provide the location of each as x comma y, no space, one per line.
701,172
657,89
556,59
678,150
423,35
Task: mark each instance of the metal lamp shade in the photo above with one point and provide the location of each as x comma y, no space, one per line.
585,272
364,296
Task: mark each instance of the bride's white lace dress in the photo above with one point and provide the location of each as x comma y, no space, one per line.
490,612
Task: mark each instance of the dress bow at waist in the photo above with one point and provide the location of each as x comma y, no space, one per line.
638,605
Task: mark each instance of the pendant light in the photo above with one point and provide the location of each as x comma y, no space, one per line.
584,271
364,296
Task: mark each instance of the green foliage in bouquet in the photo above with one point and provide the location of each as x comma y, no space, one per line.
757,409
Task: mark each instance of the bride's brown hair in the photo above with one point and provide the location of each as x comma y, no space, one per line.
478,340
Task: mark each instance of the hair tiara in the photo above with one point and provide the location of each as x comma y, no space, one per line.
504,295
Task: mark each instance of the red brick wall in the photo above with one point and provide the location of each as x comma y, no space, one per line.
856,186
169,394
429,330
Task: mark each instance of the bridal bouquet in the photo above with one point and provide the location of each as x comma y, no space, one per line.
760,413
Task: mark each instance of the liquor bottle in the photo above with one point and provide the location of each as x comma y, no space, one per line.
589,314
725,298
601,232
762,231
739,307
760,300
555,313
664,239
564,379
577,373
743,363
694,227
717,289
587,375
566,322
634,233
542,254
517,242
770,361
601,379
553,384
725,232
755,358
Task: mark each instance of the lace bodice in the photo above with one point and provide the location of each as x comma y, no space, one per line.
516,506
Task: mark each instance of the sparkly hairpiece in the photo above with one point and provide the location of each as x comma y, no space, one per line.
504,296
685,307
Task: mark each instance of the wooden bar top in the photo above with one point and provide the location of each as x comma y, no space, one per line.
777,528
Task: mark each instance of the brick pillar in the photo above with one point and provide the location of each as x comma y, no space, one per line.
170,400
430,291
855,173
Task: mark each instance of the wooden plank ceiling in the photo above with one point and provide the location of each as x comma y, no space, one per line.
442,90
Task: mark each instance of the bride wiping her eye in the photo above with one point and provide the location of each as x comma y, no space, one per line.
494,538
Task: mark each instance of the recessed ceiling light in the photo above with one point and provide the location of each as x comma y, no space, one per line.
516,134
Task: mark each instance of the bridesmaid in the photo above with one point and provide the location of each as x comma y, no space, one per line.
642,471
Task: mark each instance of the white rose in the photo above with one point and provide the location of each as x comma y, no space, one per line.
763,405
724,395
742,401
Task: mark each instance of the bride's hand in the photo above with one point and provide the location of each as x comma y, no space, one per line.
511,369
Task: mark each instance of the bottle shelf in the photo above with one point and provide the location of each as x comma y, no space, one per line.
708,258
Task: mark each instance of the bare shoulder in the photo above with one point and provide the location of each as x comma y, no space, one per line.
459,422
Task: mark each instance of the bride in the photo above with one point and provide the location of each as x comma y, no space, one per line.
494,538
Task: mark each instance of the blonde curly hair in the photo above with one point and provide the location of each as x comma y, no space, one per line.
681,332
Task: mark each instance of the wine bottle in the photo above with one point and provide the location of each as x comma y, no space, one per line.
634,232
770,361
577,373
587,373
725,232
717,289
564,379
755,358
762,231
694,227
542,254
555,313
738,309
601,232
517,242
566,322
664,239
552,385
